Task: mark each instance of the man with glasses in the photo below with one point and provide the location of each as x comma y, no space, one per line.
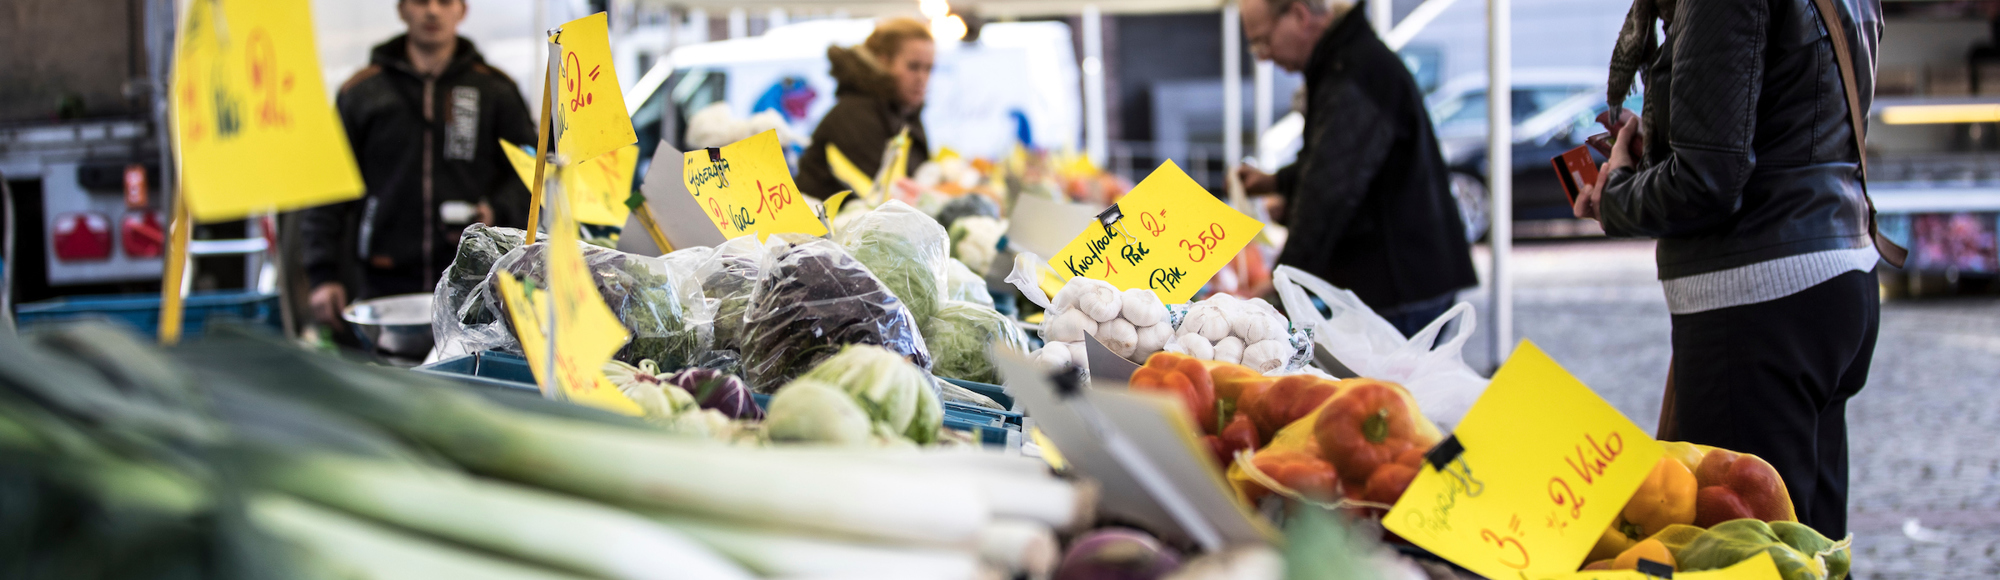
1368,203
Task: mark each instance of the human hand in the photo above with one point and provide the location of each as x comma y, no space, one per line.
1255,180
1587,200
327,301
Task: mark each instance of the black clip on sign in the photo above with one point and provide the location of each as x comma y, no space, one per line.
1656,569
721,166
1110,217
1448,457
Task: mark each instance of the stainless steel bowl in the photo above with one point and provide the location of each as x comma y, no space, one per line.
398,325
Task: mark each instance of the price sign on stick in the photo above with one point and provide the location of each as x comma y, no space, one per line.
251,121
597,188
746,188
1169,236
1542,466
585,332
591,105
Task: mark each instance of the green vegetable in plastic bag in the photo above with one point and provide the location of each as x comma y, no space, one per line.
1837,555
905,249
1734,541
809,411
964,285
662,307
898,396
959,335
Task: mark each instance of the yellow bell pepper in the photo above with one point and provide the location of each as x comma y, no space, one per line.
1666,498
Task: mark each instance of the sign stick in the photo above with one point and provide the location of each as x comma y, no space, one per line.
653,229
179,230
541,150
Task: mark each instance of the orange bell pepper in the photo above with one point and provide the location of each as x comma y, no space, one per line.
1664,499
1368,426
1287,400
1183,377
1739,485
1302,472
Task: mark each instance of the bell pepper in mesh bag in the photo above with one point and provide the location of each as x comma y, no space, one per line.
1369,425
1287,400
1182,377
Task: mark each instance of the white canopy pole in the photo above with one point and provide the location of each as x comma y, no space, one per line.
1261,80
1500,171
1232,86
739,23
1096,143
1383,14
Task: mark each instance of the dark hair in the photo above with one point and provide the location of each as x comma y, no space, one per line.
890,35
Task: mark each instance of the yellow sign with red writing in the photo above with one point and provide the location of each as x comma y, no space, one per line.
597,188
1546,466
1170,237
590,103
586,334
746,188
251,120
1758,567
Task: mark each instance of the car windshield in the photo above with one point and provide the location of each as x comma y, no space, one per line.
1467,111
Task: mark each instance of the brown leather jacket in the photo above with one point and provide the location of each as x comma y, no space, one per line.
864,118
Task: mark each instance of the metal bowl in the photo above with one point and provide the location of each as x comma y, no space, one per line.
398,325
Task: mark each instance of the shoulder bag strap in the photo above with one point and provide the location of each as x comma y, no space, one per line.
1828,15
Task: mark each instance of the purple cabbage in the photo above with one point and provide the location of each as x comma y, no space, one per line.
713,389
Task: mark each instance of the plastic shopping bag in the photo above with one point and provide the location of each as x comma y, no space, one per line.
1434,372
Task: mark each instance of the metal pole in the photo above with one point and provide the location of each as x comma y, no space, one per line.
1500,170
1096,143
1260,105
739,23
1232,86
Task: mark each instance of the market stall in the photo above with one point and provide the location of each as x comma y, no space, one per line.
881,386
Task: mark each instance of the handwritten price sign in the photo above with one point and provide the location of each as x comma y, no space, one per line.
1547,465
748,189
1172,237
597,188
251,120
590,103
586,333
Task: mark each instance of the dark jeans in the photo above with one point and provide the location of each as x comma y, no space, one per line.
1411,321
1773,379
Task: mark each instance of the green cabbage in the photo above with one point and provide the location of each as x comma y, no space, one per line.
905,249
958,338
899,397
810,411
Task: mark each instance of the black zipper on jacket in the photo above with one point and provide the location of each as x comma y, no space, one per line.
430,120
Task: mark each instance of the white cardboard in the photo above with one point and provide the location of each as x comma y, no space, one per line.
679,215
1122,439
1106,366
1044,226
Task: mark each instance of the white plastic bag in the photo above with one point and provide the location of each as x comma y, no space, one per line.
1434,372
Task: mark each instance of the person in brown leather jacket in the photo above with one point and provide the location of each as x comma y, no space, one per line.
881,93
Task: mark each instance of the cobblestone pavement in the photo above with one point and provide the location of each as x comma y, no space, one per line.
1924,434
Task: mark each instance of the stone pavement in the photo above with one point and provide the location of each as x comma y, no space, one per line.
1924,434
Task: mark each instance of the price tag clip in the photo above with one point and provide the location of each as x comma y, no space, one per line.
1110,217
1656,569
1448,457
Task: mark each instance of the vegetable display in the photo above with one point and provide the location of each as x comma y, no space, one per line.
1132,324
1232,330
906,250
728,277
813,300
964,285
1806,555
959,336
462,319
975,240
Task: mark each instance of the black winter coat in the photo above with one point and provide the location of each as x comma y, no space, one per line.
862,121
1749,153
429,148
1369,199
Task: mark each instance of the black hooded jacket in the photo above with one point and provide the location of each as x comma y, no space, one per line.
863,120
429,150
1369,199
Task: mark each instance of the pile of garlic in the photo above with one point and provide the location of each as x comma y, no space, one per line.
1225,328
1133,323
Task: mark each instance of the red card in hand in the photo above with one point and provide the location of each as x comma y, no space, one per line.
1575,168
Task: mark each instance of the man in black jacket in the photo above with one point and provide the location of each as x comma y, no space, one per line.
425,119
1369,201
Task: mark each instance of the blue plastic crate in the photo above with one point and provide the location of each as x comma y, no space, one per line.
141,312
487,369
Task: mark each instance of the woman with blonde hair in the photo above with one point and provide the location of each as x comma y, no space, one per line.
881,93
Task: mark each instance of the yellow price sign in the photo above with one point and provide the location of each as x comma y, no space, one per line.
251,121
590,103
586,333
1546,465
745,188
1170,237
597,188
1758,567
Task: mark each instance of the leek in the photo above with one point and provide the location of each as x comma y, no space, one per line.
530,524
790,554
365,551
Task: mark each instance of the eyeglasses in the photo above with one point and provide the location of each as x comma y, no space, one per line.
1260,45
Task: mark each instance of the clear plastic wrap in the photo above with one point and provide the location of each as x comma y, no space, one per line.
728,277
958,338
906,250
968,205
663,307
964,285
462,313
812,300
